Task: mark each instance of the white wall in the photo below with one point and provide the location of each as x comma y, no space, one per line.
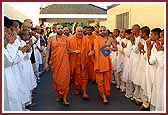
22,10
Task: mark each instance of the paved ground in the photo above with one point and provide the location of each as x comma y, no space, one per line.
45,99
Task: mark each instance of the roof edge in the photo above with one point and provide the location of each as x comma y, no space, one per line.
98,7
112,6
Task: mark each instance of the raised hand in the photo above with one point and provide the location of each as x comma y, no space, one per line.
91,53
132,39
149,44
76,51
140,46
123,45
159,47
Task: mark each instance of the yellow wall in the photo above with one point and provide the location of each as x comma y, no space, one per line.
14,14
151,15
103,23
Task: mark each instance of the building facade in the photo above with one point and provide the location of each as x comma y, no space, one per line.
125,15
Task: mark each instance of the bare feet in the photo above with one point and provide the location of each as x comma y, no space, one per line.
105,101
65,102
85,96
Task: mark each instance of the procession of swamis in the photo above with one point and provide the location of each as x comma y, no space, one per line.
132,59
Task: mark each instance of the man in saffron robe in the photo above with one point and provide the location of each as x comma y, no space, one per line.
90,69
96,32
59,61
78,61
102,66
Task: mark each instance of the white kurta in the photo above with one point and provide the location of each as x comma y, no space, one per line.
37,53
23,89
160,81
134,58
127,52
152,90
28,69
6,99
120,55
13,93
141,68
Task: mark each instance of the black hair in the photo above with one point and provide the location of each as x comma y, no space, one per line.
145,30
15,24
156,31
108,32
136,25
128,31
111,33
84,27
20,23
7,22
117,30
33,29
22,33
91,27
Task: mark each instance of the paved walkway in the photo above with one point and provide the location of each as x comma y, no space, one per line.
45,99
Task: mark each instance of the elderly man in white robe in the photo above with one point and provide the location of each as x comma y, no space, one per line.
134,63
26,63
38,49
26,26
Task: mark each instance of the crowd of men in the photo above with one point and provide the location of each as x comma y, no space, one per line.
135,63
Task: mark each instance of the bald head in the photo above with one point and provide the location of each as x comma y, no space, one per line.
59,29
102,31
38,29
79,31
135,29
29,21
26,26
66,31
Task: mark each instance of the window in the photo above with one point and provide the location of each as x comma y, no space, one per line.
122,20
